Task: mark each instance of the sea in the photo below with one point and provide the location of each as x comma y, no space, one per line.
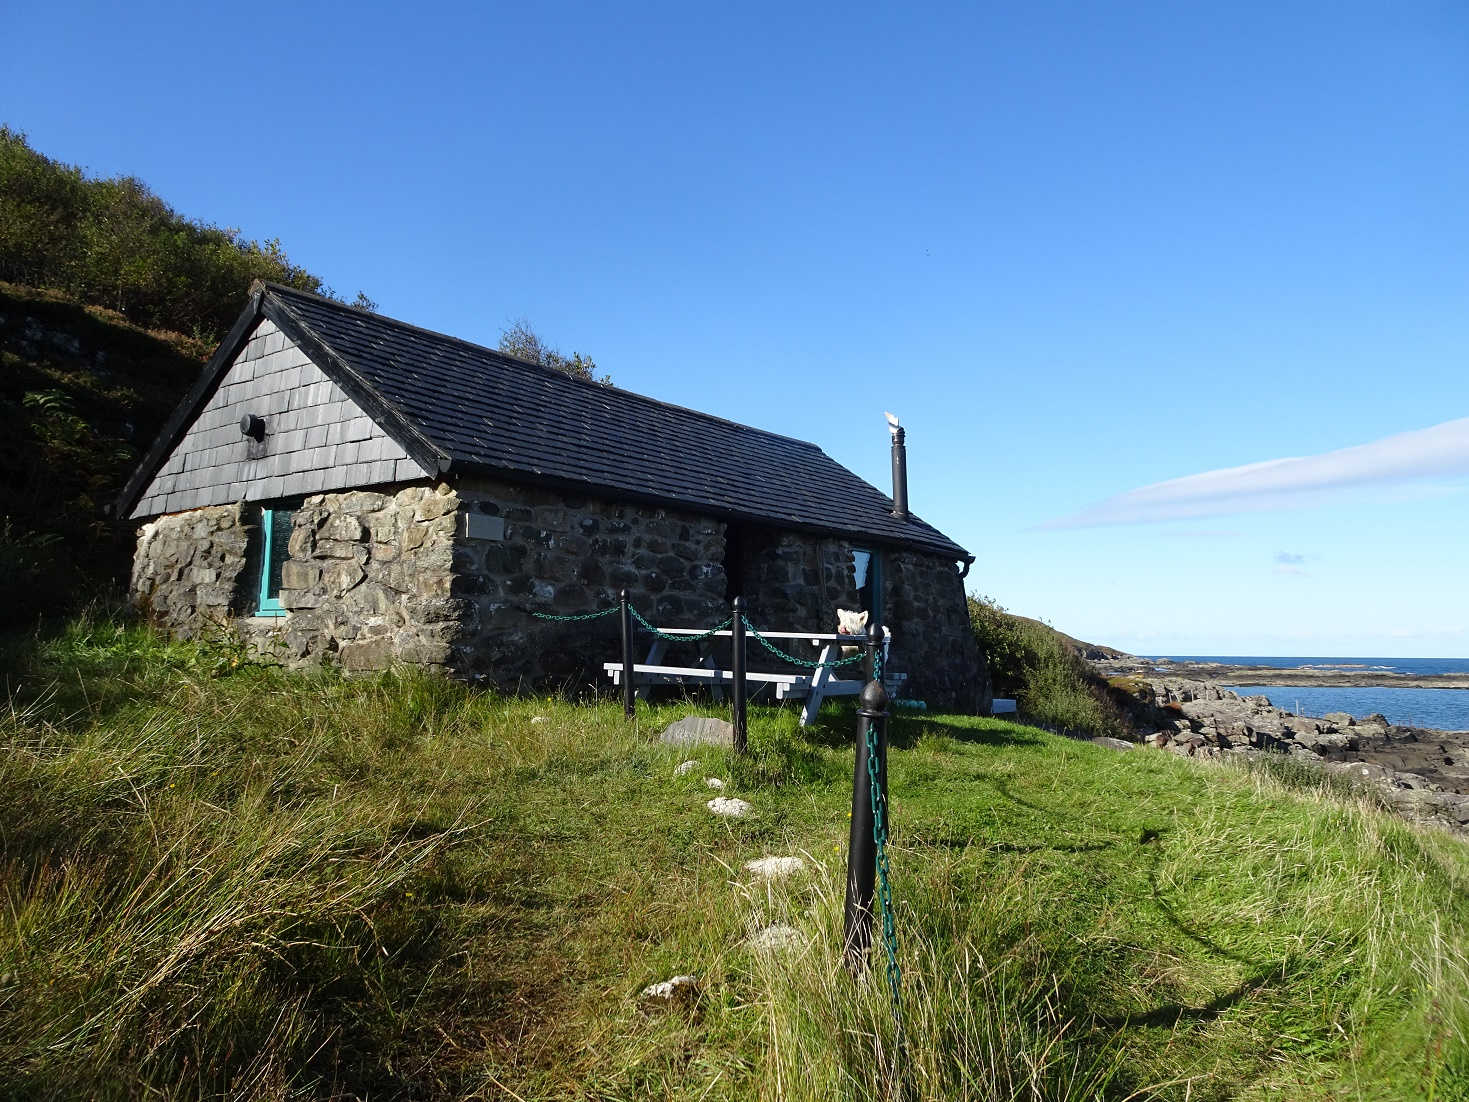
1445,709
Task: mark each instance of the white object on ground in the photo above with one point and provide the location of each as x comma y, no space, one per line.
713,782
674,989
540,719
729,808
684,768
776,938
775,868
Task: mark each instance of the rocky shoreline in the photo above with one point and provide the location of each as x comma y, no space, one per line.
1421,773
1336,677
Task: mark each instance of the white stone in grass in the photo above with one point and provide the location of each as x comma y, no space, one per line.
713,782
684,768
540,719
677,989
729,808
775,868
778,938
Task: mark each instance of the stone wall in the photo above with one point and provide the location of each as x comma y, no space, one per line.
795,581
380,577
187,568
932,640
565,555
368,580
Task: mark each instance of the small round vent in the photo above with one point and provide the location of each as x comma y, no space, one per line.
253,427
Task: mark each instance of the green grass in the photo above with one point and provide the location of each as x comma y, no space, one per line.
221,879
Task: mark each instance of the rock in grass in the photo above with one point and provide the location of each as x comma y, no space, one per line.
778,938
684,768
775,868
675,991
728,807
713,782
698,731
1112,743
540,719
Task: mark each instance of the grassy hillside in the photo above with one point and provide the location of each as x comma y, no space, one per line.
221,878
83,392
114,243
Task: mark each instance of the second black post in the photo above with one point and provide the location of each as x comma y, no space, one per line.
737,672
869,770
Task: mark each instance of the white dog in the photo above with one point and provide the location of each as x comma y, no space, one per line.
851,623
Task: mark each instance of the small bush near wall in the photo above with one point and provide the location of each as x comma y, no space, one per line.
1037,667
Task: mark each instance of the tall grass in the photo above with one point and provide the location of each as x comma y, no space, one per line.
225,880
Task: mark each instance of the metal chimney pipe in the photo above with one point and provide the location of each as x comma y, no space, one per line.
900,474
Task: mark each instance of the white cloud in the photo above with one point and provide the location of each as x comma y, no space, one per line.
1438,452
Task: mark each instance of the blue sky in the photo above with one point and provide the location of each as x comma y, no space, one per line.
1081,249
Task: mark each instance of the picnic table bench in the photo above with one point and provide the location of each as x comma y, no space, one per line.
813,687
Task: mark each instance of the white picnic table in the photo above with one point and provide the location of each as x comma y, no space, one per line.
812,687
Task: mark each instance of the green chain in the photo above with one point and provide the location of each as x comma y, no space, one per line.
571,619
638,616
885,893
773,649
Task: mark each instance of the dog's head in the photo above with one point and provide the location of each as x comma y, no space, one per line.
850,622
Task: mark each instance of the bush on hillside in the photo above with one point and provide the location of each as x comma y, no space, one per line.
82,395
114,243
1040,670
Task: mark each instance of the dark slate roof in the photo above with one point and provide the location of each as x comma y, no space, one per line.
466,409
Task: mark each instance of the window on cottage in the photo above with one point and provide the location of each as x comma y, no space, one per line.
867,575
272,550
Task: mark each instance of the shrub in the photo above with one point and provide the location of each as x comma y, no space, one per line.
1039,668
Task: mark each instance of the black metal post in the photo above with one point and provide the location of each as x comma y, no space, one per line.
737,671
627,661
872,708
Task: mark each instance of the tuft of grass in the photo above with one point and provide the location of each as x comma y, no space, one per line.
221,878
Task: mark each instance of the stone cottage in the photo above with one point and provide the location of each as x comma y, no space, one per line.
346,487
